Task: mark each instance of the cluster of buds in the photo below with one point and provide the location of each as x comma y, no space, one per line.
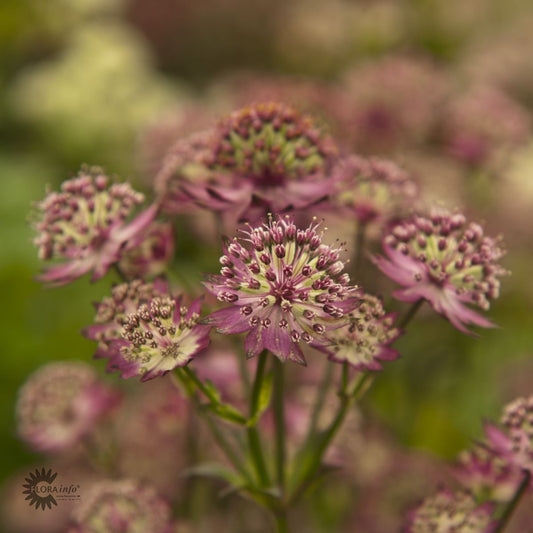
152,254
112,311
515,442
446,261
60,404
451,511
266,157
366,338
285,287
484,124
158,337
373,190
122,505
85,225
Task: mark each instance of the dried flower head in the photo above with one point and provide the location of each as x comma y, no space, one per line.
487,475
122,505
366,338
515,442
85,225
448,512
60,404
446,261
158,337
112,311
483,124
265,157
151,255
284,286
373,190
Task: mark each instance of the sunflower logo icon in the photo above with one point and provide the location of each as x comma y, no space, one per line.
38,488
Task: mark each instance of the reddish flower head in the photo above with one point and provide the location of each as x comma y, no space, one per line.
265,157
60,404
374,190
366,339
515,442
158,337
85,226
445,261
448,512
122,505
284,286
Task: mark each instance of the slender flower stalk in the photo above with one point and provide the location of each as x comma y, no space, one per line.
513,503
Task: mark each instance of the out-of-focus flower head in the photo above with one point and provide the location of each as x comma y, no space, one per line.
122,505
151,255
365,340
60,404
487,475
515,442
112,311
391,103
284,286
483,125
158,337
373,190
449,511
85,226
445,260
264,158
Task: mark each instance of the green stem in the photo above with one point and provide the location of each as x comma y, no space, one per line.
282,524
213,428
320,399
359,244
410,313
254,441
279,423
199,385
511,506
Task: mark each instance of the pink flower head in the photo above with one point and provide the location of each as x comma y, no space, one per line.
284,286
483,124
515,442
158,337
448,512
445,261
122,505
85,226
112,311
366,338
487,475
373,190
264,158
60,404
152,254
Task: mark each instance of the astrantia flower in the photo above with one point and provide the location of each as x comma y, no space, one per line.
122,505
487,474
158,337
373,190
112,311
152,254
60,404
85,226
484,124
445,261
451,512
366,338
284,286
515,442
265,157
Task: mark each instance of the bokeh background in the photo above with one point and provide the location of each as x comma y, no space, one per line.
112,82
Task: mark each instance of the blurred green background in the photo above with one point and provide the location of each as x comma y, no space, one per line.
81,79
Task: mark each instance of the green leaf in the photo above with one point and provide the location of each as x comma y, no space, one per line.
228,413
